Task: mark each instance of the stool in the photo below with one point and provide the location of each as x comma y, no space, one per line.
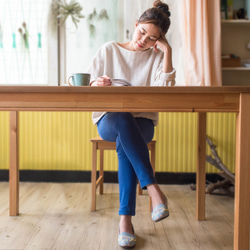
101,145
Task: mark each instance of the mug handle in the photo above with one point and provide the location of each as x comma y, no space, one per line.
69,79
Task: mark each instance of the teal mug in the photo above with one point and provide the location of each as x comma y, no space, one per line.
79,79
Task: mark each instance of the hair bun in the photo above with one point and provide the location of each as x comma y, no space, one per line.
162,6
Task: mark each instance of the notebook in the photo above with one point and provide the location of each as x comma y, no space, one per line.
120,82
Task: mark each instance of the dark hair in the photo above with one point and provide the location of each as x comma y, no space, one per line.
158,15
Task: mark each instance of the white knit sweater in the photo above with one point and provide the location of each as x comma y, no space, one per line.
140,68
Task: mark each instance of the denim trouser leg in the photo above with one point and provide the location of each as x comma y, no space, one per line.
131,136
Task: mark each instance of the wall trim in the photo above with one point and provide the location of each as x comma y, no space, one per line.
110,176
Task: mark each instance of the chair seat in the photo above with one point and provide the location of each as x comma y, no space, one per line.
99,144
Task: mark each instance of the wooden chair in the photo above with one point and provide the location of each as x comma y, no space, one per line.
101,145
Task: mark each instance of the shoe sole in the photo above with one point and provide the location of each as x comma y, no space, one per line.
127,247
162,218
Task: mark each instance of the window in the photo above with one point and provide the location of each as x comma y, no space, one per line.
101,24
24,43
33,52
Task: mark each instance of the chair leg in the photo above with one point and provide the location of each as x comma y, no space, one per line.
93,177
139,189
101,173
152,159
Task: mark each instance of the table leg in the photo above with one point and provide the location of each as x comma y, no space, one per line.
14,164
200,172
242,175
93,176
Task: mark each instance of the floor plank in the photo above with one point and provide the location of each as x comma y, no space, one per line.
58,216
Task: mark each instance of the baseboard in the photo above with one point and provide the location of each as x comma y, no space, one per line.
110,176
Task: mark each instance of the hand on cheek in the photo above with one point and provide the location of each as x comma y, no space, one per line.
155,47
163,45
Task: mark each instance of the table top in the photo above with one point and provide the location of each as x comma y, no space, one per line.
115,89
120,99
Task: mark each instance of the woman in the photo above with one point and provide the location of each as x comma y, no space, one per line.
142,63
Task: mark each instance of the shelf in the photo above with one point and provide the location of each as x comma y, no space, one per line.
236,68
236,21
234,38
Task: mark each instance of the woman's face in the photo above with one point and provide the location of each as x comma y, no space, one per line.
145,36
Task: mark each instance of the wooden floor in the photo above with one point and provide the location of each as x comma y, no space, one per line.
58,216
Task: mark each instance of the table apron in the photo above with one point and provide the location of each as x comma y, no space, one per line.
139,102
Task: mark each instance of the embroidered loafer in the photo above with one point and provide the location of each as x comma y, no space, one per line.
161,211
127,240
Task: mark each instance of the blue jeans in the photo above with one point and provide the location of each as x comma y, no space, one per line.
131,136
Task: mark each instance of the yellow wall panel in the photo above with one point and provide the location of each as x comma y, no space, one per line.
56,140
176,142
60,141
221,129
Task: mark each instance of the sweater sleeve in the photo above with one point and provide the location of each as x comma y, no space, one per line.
161,78
165,79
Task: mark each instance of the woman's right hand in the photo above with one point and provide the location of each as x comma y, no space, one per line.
102,81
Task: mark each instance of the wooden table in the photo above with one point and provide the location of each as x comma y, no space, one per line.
149,99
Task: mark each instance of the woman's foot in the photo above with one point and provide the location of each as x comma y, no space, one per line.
159,203
126,238
156,195
125,224
161,211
